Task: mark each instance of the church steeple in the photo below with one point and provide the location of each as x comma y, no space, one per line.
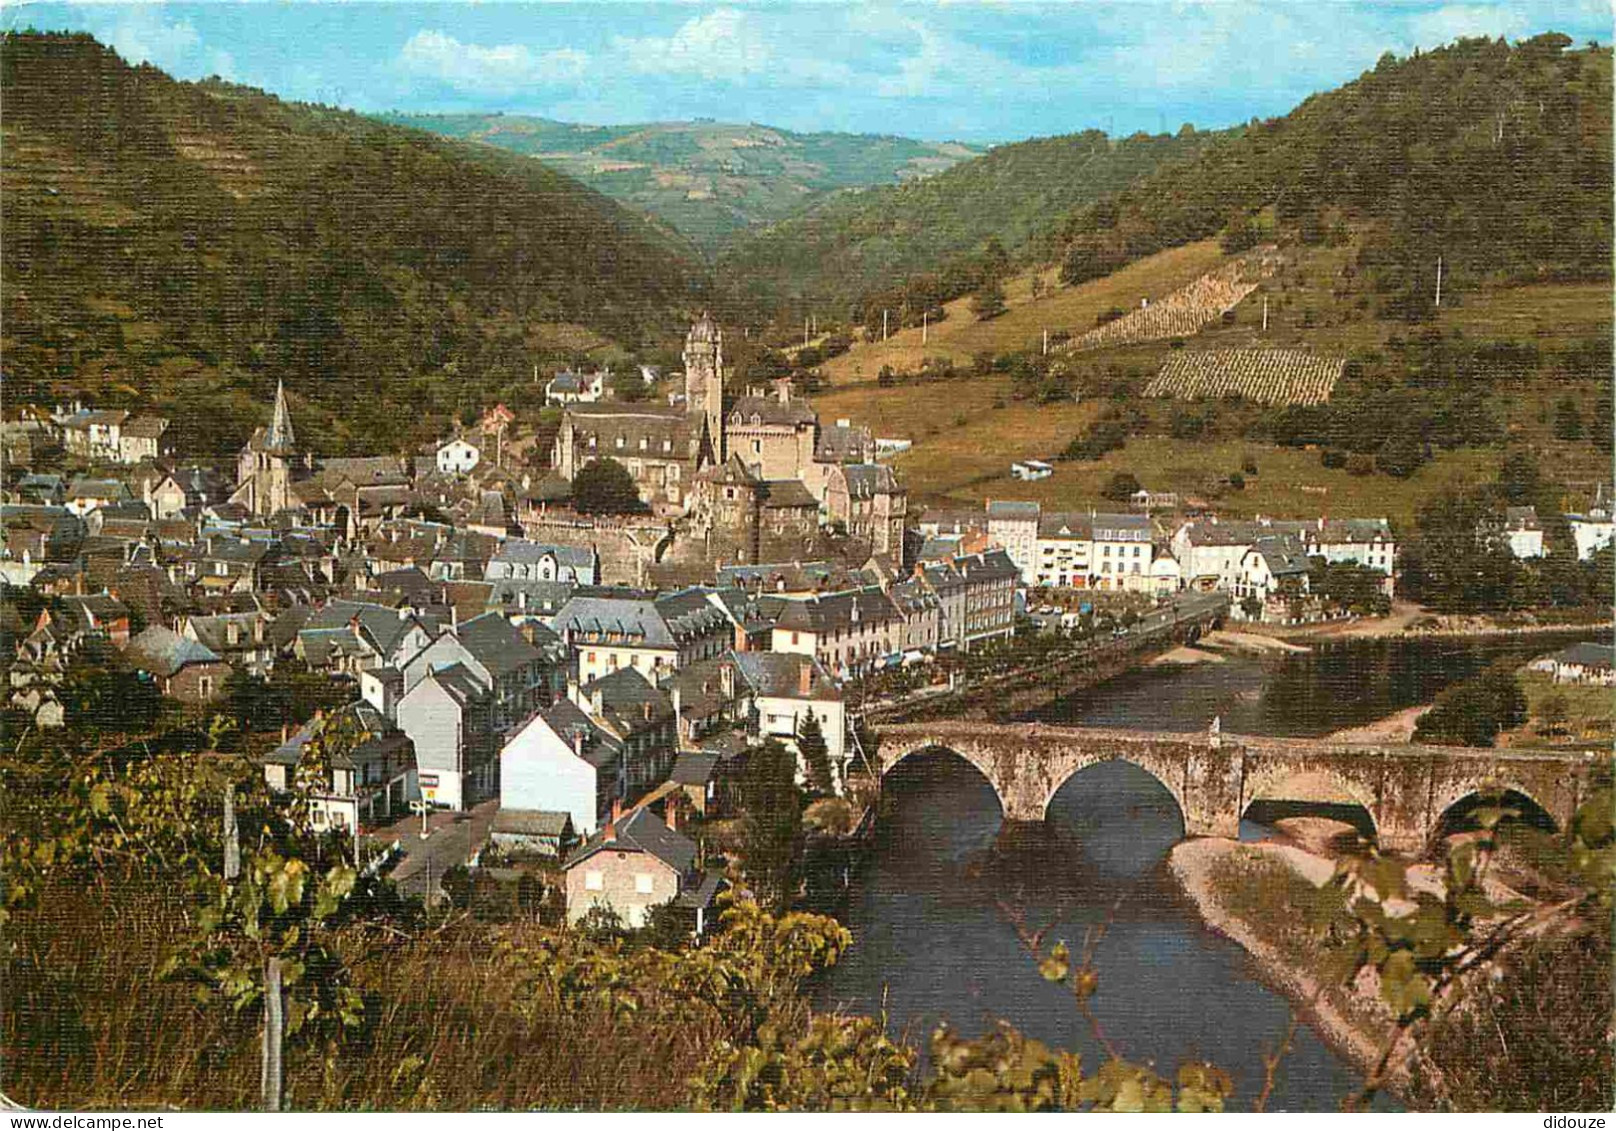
279,438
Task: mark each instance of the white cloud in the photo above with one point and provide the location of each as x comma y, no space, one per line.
1432,29
730,46
141,35
502,69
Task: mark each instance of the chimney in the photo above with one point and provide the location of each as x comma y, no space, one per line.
283,734
611,825
596,702
726,680
578,742
671,811
805,678
647,709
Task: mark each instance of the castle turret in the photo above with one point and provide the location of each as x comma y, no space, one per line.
704,382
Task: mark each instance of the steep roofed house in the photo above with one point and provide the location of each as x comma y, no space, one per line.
1275,568
1525,532
94,433
847,632
449,717
142,438
784,690
869,503
631,866
1014,526
182,669
370,783
561,761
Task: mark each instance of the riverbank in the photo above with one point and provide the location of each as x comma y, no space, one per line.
1396,727
1350,1019
1407,621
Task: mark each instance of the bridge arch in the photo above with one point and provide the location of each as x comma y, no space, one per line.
964,751
1321,789
1162,773
1450,804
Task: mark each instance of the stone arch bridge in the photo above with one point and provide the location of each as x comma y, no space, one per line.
1405,789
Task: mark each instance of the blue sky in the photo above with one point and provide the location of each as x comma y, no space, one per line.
980,72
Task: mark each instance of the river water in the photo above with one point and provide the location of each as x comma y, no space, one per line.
933,908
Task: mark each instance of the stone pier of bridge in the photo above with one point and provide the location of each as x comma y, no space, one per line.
1405,789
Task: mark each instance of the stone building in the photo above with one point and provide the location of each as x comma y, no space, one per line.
869,503
267,467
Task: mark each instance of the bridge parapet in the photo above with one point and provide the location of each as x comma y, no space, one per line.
1405,789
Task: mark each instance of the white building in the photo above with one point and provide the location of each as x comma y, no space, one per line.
1525,532
458,456
1591,532
1031,470
1014,526
785,689
560,762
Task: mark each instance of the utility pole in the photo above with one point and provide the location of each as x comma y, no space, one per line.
883,324
805,333
1265,314
232,840
925,325
1046,341
271,1077
1439,280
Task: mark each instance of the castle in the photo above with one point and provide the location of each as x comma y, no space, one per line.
755,473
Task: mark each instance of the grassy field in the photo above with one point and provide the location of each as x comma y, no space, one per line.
1021,328
1589,711
966,432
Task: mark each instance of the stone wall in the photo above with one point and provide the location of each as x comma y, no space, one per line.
627,547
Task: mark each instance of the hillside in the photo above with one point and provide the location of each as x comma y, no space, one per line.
1495,157
1016,195
708,180
181,246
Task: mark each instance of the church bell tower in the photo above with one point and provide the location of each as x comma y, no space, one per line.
704,381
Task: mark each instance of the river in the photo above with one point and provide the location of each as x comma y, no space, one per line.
933,906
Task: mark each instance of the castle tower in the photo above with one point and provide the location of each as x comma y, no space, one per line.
704,381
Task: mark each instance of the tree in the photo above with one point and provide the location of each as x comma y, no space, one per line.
1120,488
1567,420
771,831
989,301
1459,559
1552,714
630,386
815,753
605,487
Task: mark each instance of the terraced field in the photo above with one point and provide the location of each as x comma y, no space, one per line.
1282,377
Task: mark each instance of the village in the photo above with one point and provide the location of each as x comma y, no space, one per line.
541,672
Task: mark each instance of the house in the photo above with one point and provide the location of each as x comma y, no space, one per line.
518,559
100,613
1588,663
1524,531
141,438
240,639
543,831
448,715
1031,470
639,717
631,866
1014,526
87,494
1274,568
94,434
654,635
182,669
561,761
1591,532
457,456
869,503
373,781
784,689
520,670
849,633
568,387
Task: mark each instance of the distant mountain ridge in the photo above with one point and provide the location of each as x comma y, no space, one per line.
708,180
179,246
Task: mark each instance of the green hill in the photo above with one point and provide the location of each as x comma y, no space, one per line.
1495,157
708,180
180,246
1015,195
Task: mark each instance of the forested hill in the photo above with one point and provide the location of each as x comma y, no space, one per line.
1014,197
181,246
708,180
1496,157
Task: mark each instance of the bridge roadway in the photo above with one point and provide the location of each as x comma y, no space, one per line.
1406,790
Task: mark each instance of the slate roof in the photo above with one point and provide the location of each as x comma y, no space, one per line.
779,675
662,623
496,644
628,701
769,410
837,610
569,722
1588,655
843,443
533,822
381,737
1011,510
783,493
693,767
164,652
1521,518
1283,554
519,551
866,480
146,427
641,831
786,576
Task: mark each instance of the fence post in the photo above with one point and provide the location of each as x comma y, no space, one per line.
274,1034
232,839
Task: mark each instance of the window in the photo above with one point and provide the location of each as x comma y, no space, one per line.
594,881
757,447
643,884
620,441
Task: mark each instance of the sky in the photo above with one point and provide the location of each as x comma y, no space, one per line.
978,72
